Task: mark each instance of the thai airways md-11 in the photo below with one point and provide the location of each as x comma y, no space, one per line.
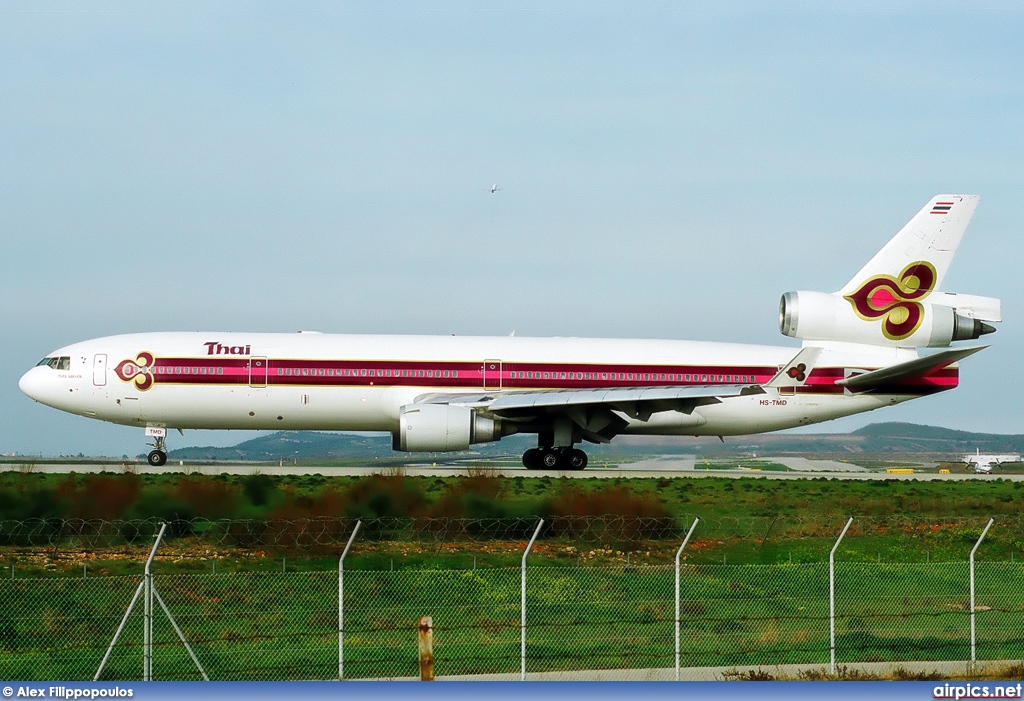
861,350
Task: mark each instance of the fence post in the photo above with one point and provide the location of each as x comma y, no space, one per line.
678,554
522,605
426,648
145,588
148,635
832,598
974,641
341,601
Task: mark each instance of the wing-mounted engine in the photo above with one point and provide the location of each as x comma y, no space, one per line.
444,427
887,315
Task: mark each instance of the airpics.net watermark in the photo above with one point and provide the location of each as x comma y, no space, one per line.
68,693
977,691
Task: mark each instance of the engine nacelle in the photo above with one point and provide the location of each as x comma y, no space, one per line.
442,428
881,321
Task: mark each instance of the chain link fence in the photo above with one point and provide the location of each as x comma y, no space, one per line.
580,618
276,626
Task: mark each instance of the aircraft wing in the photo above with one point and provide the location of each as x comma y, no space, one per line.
594,410
910,370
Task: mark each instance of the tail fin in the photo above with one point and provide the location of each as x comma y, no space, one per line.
930,237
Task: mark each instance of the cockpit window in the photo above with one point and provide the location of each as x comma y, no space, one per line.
61,363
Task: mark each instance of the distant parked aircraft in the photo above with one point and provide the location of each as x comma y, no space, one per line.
983,464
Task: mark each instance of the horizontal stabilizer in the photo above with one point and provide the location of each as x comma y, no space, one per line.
909,370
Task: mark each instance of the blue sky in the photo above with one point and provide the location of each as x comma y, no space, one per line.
669,169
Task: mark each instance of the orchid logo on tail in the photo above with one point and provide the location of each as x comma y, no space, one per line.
896,301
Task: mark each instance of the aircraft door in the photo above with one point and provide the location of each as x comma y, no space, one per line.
492,374
99,370
257,371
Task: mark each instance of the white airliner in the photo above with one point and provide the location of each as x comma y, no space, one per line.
983,464
861,351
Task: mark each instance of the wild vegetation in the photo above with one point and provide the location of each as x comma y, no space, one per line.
746,520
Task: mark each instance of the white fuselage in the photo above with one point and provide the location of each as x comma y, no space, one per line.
360,382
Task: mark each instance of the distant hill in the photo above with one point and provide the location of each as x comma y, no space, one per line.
288,445
881,438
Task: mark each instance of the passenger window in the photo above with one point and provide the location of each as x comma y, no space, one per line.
220,371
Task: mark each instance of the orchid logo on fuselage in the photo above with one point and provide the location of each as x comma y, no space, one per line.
139,370
896,301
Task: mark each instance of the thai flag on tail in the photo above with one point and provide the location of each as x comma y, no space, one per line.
941,207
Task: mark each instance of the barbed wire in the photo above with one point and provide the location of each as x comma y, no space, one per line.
331,533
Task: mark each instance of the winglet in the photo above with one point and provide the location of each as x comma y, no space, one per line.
796,371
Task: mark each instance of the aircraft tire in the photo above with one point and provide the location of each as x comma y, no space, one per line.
157,458
577,459
551,459
531,459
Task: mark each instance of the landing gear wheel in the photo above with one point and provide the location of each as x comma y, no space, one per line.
531,459
550,458
157,458
577,459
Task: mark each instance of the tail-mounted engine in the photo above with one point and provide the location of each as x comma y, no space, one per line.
886,318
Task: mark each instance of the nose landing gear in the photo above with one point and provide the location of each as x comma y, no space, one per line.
158,456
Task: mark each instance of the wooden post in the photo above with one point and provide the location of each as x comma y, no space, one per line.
426,639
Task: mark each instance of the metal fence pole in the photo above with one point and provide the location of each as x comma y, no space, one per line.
974,640
832,598
117,633
679,552
522,605
341,601
148,601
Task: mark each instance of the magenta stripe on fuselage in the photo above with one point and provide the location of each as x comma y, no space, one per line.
512,375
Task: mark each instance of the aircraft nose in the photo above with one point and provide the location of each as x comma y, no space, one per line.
33,383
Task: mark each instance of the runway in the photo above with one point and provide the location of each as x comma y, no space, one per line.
654,467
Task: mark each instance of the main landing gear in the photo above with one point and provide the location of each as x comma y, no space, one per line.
554,459
158,456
